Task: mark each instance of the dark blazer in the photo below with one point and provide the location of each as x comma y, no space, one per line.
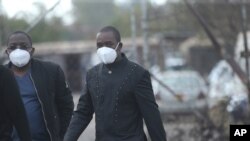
54,95
121,96
12,112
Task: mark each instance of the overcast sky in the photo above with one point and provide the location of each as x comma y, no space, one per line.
13,7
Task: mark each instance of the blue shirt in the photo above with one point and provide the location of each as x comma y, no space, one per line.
33,109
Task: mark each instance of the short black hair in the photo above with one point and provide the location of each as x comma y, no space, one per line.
20,32
114,30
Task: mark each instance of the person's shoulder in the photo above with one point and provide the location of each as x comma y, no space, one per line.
92,72
4,71
139,71
2,68
136,66
46,64
95,68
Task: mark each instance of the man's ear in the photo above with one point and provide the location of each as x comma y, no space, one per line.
120,45
6,51
32,51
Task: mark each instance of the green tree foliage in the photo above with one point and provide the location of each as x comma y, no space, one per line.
49,30
171,17
122,18
93,14
10,25
89,15
122,21
224,20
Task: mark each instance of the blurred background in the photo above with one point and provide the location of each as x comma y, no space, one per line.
196,52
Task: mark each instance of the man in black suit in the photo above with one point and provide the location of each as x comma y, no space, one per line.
120,94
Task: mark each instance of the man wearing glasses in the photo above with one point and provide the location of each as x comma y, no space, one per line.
47,98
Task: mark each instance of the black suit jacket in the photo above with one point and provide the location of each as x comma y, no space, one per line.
121,96
12,112
54,96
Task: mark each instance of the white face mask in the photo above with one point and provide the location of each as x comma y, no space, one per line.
107,54
19,57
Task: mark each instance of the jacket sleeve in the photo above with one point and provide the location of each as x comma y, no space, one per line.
64,102
15,107
81,117
149,109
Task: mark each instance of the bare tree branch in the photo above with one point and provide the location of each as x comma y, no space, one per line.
222,53
39,19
